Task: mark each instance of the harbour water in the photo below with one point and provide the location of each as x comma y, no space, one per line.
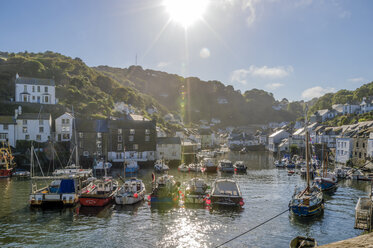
266,192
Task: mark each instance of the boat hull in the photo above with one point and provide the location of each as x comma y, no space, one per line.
210,169
325,185
128,200
92,201
229,170
5,173
41,200
132,170
304,211
194,199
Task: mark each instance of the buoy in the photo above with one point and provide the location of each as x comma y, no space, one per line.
149,197
135,195
242,203
208,201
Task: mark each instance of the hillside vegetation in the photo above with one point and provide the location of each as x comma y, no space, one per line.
196,100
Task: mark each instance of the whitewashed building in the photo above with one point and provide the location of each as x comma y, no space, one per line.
33,126
64,127
7,130
343,149
366,105
370,146
169,148
350,108
35,90
275,139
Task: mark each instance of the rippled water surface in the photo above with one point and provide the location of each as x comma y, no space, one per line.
266,191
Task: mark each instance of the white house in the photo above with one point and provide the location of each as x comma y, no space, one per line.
64,127
35,90
7,130
33,126
366,105
350,108
343,149
298,137
370,146
276,138
169,148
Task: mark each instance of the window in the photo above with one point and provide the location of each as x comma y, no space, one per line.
38,89
66,136
363,145
120,131
24,98
120,147
147,131
40,122
5,127
120,138
130,138
81,135
135,146
33,98
25,88
3,136
46,89
41,129
27,137
46,99
24,129
38,137
359,154
24,122
38,99
33,88
173,154
63,121
132,131
357,144
147,138
98,144
99,135
67,121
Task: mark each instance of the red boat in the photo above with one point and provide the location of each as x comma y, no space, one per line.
6,161
99,193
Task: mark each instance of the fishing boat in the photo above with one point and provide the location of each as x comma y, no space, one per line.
239,166
326,181
72,170
195,191
165,190
131,192
101,166
208,165
279,164
303,242
21,173
183,168
225,165
226,192
160,166
309,201
131,166
7,163
100,193
195,167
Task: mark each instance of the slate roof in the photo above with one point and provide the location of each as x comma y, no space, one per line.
35,81
7,119
168,140
34,116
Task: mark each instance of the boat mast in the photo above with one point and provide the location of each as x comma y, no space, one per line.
75,140
307,152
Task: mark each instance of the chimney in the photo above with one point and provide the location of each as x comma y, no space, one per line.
17,76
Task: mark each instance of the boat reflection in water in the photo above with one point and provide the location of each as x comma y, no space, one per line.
101,212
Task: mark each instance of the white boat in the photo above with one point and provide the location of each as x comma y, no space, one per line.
195,167
131,192
225,166
195,191
160,166
208,165
101,165
73,170
183,168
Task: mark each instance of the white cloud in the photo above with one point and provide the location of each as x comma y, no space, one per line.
249,6
239,76
162,64
270,72
317,91
356,80
204,53
274,86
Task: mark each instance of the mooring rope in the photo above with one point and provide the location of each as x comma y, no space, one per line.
274,217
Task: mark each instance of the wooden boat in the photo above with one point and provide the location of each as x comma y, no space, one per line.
208,165
239,166
7,163
195,191
309,201
183,168
160,166
100,193
326,181
165,190
225,166
303,242
131,192
226,192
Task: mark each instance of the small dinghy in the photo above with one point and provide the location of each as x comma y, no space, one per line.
239,166
160,166
195,191
183,168
303,242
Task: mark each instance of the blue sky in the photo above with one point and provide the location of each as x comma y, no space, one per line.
294,49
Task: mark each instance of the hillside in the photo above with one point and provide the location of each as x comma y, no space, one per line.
90,92
196,100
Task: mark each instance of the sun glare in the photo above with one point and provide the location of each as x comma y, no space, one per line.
185,12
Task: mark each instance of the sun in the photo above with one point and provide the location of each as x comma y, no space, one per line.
185,12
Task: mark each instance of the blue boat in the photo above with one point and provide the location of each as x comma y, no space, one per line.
132,166
310,201
326,181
